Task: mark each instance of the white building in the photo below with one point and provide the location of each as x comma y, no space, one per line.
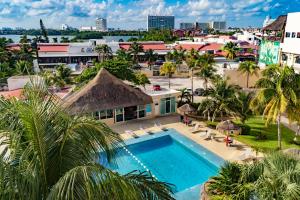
218,25
268,21
88,28
101,24
290,48
64,27
247,37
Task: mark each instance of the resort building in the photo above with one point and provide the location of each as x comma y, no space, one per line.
111,100
160,22
218,25
101,24
187,26
290,47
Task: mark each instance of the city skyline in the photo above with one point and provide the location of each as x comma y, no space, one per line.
133,14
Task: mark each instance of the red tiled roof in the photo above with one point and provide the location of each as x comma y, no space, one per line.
146,46
13,93
211,46
54,48
200,47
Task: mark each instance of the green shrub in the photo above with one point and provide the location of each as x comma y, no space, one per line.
246,129
211,124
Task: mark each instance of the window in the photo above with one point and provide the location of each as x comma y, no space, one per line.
148,108
103,114
119,115
293,34
287,34
297,60
284,57
141,111
298,35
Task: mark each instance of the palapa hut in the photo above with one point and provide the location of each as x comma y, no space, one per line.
186,109
228,127
109,99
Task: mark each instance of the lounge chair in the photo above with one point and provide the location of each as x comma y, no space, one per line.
246,155
146,132
130,132
195,129
158,125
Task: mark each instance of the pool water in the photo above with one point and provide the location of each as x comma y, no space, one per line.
171,157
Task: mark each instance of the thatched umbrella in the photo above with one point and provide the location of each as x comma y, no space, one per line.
228,126
186,109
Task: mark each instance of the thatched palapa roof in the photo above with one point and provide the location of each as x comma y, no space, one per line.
277,25
186,108
105,91
227,126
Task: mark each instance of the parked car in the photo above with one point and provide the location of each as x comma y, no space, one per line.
159,62
156,87
200,92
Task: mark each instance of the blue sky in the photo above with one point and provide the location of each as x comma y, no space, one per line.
132,14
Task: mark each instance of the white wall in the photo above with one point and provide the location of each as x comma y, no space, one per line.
18,82
292,45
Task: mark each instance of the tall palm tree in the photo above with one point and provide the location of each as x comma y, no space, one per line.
190,59
279,89
135,48
104,51
185,97
222,101
206,68
48,154
168,68
248,68
151,57
231,50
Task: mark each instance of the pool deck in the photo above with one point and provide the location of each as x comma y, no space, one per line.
236,152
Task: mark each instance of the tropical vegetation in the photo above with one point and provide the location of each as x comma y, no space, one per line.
168,69
278,94
231,49
48,154
277,176
249,68
104,52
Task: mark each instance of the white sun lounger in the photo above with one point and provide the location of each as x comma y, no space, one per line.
146,132
158,125
246,155
195,129
130,132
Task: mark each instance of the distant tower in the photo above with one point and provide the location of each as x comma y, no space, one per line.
101,24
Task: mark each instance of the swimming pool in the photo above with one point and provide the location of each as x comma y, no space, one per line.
171,157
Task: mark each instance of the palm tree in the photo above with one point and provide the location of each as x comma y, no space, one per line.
190,59
243,105
222,101
178,56
135,48
248,68
141,79
207,71
24,67
279,89
48,154
104,51
185,97
123,55
275,177
151,57
168,68
231,50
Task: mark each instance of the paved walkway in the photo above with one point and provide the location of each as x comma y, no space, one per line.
234,153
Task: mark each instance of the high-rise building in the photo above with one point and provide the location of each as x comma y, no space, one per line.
187,26
101,24
160,22
204,26
64,27
218,25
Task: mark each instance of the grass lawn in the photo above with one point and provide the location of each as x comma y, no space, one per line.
257,125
